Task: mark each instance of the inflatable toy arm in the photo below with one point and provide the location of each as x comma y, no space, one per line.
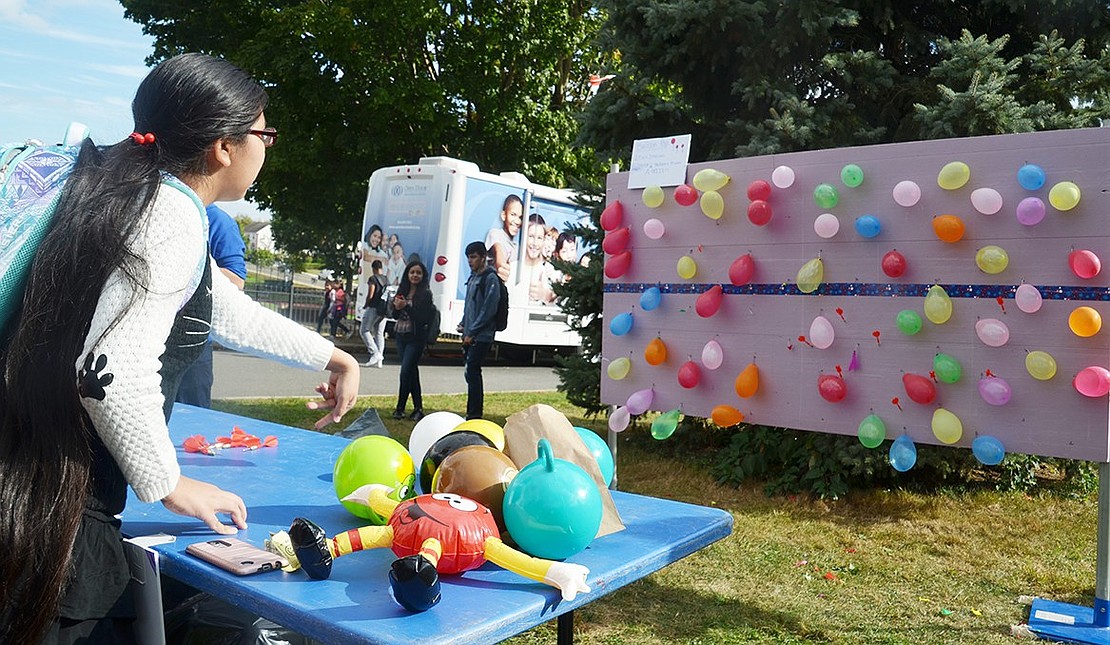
567,577
375,497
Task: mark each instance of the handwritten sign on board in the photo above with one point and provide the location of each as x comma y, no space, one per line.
659,162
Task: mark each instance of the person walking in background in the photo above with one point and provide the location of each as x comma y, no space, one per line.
479,309
373,316
411,307
338,311
325,309
501,239
90,379
225,245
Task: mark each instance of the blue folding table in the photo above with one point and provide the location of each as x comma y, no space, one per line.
354,605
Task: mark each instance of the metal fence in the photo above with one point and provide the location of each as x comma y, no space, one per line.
276,290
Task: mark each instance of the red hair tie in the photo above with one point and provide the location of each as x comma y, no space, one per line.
142,139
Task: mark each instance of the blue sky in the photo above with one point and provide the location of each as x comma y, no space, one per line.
72,60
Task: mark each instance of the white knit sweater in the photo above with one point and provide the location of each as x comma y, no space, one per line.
129,418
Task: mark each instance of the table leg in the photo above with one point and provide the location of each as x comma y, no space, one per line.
565,628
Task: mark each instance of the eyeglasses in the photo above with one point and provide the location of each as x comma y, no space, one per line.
268,136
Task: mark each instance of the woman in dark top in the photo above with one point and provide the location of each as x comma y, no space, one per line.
412,309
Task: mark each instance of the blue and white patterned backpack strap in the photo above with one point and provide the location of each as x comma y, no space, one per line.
198,274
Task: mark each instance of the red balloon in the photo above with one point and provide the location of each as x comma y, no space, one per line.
919,388
689,375
759,212
709,301
685,194
742,269
894,264
832,388
759,190
1084,264
617,265
616,241
612,216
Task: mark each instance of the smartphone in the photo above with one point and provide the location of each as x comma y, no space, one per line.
236,556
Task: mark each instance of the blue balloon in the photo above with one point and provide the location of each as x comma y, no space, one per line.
1030,176
868,226
621,324
650,298
600,450
903,454
988,450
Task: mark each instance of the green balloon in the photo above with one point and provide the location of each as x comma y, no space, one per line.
826,196
664,425
946,368
851,175
909,323
872,431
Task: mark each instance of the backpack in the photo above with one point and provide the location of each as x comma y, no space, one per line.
433,327
378,301
501,318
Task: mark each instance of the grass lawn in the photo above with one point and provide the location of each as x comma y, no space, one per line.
878,566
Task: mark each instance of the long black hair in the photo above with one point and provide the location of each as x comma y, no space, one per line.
188,103
406,288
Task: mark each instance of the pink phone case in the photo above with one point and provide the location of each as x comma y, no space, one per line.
236,556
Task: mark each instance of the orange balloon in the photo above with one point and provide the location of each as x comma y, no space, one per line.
726,416
948,228
656,352
747,383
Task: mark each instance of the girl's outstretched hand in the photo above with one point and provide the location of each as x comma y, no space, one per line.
339,393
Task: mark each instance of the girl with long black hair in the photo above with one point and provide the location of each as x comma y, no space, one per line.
89,378
412,308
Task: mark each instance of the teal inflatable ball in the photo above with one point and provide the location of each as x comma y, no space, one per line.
552,507
373,460
600,450
444,446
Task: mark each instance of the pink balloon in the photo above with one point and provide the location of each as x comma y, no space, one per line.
759,190
617,265
612,216
639,401
995,390
1084,264
741,270
993,332
616,240
689,375
709,301
685,194
654,229
919,389
759,212
986,200
1093,381
906,193
712,355
821,333
619,419
832,388
1028,298
826,225
1030,211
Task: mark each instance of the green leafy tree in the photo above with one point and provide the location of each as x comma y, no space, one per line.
356,85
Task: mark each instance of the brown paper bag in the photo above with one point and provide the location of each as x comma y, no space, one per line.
523,431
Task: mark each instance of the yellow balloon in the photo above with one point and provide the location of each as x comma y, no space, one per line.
1064,196
1085,322
487,429
947,427
687,268
953,175
710,179
653,196
619,368
811,275
938,306
992,259
1040,365
712,204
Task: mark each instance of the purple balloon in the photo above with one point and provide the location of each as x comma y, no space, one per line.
639,401
1030,211
995,390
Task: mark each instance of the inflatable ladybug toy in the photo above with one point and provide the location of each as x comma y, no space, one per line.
430,534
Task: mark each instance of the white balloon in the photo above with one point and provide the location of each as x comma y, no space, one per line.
654,229
783,177
618,421
1028,298
993,332
906,193
826,225
821,333
986,200
712,355
429,430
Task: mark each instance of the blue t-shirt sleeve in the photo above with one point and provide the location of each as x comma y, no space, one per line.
225,242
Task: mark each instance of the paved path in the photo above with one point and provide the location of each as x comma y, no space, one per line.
241,376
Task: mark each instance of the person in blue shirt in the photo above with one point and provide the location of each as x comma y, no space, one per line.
225,245
479,309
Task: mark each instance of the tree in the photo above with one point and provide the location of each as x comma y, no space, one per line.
356,85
